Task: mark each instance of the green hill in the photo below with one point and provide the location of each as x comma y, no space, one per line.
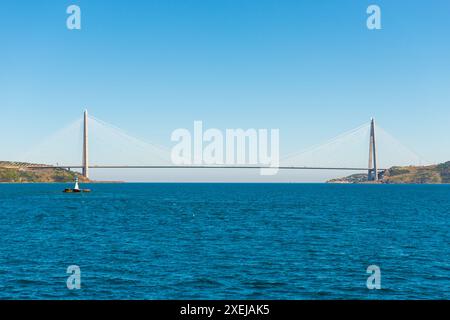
433,174
19,173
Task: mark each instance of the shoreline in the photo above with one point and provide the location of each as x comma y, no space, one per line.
225,182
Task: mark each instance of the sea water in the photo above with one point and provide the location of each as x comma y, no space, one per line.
225,241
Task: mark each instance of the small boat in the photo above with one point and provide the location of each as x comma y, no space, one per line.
76,188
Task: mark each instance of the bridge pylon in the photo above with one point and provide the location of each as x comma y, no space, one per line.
85,170
372,173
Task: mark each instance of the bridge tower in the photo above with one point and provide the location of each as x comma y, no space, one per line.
373,173
85,171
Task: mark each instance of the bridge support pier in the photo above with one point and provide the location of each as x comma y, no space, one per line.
373,173
85,170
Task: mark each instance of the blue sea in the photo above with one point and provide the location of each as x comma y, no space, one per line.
225,241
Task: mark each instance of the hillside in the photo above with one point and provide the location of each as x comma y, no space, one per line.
439,173
16,172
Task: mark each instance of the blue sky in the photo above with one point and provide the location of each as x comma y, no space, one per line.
310,68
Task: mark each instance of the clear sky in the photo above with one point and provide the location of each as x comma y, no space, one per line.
310,68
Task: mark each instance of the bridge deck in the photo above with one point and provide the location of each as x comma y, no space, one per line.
196,167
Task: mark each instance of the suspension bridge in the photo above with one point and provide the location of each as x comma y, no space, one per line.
374,172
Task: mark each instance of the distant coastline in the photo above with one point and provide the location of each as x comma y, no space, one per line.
432,174
18,172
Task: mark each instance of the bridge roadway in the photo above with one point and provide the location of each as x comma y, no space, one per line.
195,167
